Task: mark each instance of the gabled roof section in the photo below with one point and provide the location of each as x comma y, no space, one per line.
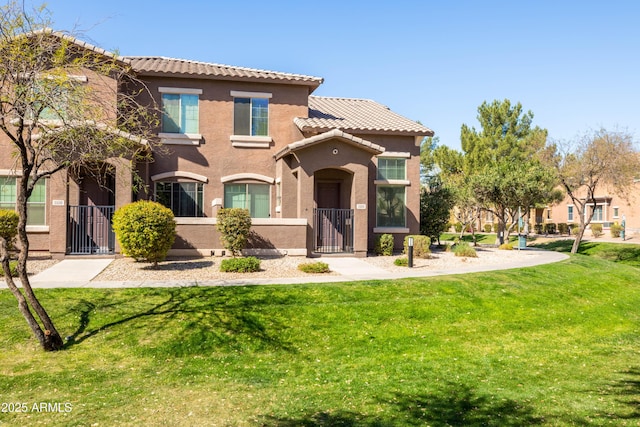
356,115
82,44
332,134
173,67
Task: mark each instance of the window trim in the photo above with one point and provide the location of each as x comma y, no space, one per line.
44,227
246,183
251,141
180,138
200,209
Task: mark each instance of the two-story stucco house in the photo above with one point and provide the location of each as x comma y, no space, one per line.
318,174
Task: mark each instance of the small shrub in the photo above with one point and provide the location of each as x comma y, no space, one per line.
488,228
550,228
314,267
384,244
506,247
573,229
401,262
145,230
421,246
458,227
563,228
13,269
616,229
464,250
240,265
596,230
538,228
496,227
234,225
8,224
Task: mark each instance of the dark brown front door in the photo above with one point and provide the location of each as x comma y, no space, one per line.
328,196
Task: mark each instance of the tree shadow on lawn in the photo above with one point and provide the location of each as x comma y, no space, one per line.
187,321
628,390
453,405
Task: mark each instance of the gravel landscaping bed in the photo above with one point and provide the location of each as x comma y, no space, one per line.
274,267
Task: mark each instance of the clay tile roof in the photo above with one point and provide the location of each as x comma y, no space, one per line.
159,65
332,134
360,115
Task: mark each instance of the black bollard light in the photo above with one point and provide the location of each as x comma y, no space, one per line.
410,245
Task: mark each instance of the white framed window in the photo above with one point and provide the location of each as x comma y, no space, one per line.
185,199
597,213
253,197
36,205
569,213
616,212
392,169
180,115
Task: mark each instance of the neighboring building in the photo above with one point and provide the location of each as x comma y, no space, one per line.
318,174
610,209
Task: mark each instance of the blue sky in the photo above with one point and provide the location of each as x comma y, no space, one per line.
574,64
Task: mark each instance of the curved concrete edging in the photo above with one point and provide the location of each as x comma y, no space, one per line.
350,269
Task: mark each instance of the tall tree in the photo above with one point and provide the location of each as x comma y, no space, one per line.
54,120
598,161
500,156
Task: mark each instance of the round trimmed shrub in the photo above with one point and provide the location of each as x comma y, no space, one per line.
384,244
421,246
401,262
596,230
616,229
145,230
234,226
9,226
506,247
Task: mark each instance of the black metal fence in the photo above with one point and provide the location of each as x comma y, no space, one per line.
334,230
89,230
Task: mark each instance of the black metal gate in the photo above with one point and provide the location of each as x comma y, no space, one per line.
89,230
334,230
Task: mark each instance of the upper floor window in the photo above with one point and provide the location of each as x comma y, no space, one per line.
250,113
254,197
185,199
180,110
35,205
391,168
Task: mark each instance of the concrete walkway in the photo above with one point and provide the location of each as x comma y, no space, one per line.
78,273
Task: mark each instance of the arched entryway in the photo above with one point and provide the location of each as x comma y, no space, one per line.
333,215
89,229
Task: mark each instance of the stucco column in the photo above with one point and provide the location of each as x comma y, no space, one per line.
359,196
58,205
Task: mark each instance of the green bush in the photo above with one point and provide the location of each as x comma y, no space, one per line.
496,227
573,229
384,244
538,228
234,225
9,226
421,246
616,229
596,230
314,267
145,230
13,268
506,247
488,228
563,228
550,228
401,262
458,227
240,265
463,249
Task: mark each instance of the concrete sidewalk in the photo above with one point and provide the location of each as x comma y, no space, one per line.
78,273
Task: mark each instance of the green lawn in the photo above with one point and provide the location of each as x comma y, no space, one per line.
551,345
